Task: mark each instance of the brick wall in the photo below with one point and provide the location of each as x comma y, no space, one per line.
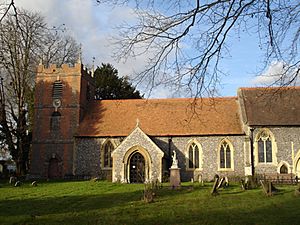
57,143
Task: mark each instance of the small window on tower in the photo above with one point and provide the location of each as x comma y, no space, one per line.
55,122
57,89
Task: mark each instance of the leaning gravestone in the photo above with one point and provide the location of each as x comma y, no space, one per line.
220,184
18,184
214,190
268,188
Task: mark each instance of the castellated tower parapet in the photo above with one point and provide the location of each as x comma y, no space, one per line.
62,95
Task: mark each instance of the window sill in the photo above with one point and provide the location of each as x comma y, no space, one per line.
266,164
225,169
191,169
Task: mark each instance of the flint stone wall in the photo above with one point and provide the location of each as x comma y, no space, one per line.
87,159
287,139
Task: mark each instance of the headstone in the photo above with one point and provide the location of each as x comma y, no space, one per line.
95,179
220,184
18,184
200,179
214,190
245,183
216,176
268,188
226,182
12,180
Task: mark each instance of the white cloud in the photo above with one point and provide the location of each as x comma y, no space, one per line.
277,73
91,25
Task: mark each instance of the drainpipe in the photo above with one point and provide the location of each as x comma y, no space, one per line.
252,150
169,151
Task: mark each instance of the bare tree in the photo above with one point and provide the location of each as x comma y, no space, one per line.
5,7
58,49
187,40
24,40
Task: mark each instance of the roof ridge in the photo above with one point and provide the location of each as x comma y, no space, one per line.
167,99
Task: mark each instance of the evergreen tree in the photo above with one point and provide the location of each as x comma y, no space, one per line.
110,86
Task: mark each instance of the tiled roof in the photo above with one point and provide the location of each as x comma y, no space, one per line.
270,106
162,117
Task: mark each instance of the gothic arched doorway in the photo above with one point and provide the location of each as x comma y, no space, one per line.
53,170
137,168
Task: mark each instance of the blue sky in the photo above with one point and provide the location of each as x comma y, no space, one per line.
93,26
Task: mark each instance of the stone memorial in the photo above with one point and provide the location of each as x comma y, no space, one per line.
175,181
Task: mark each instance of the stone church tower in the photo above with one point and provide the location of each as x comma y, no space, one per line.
61,98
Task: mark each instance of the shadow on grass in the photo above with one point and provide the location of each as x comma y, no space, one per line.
191,212
192,204
65,204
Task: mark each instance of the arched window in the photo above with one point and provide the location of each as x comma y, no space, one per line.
194,156
265,149
107,150
225,155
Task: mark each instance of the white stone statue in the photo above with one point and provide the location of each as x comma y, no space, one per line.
175,161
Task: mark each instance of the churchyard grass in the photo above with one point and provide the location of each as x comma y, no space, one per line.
89,202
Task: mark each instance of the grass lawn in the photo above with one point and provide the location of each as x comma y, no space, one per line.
88,202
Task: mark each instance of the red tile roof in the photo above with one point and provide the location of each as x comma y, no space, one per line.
271,106
162,117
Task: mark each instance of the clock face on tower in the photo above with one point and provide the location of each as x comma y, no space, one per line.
56,103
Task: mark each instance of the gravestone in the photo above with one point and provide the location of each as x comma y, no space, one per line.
223,182
245,184
226,182
214,190
220,184
200,179
268,188
18,184
12,180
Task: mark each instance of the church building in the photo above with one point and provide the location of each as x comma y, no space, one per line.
133,140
